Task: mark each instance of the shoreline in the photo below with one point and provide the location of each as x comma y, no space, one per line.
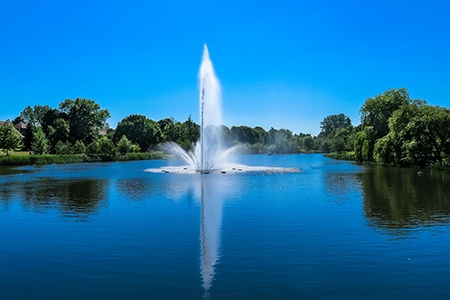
45,159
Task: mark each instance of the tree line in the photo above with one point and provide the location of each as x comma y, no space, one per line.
394,129
80,127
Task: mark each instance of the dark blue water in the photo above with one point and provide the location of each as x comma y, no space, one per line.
336,230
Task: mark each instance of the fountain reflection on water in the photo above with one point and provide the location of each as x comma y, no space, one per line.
211,221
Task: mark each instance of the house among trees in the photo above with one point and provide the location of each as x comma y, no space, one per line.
21,127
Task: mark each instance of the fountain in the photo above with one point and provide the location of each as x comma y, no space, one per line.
209,153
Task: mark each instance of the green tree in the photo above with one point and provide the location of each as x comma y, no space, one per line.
28,136
186,133
226,135
124,145
385,150
243,134
280,141
34,115
85,118
63,147
308,143
259,134
341,139
375,113
93,149
10,138
332,123
192,130
40,143
107,149
139,130
418,136
167,129
59,131
364,143
79,147
426,137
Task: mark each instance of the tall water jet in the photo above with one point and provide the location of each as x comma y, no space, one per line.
210,115
209,152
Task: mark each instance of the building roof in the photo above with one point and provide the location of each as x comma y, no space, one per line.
20,125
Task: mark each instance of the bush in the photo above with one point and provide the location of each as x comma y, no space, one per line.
63,148
15,160
124,145
79,147
102,150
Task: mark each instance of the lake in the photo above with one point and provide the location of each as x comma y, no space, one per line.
334,230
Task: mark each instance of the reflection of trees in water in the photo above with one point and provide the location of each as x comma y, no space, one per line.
396,198
135,188
341,185
75,198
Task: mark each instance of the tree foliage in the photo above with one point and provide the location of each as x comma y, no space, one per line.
63,147
418,136
139,130
336,134
394,130
375,112
79,147
40,143
124,145
34,115
10,138
333,123
400,131
85,118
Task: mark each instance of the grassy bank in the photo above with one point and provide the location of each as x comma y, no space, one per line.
20,159
350,155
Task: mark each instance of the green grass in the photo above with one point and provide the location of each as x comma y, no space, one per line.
27,159
143,156
10,153
24,158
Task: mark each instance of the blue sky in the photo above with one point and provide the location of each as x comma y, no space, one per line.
281,64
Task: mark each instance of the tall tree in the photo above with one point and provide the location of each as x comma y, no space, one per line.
85,117
332,123
34,115
375,112
418,135
192,130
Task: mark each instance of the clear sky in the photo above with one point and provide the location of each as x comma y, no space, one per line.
281,64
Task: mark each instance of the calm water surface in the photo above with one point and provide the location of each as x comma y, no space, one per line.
336,230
